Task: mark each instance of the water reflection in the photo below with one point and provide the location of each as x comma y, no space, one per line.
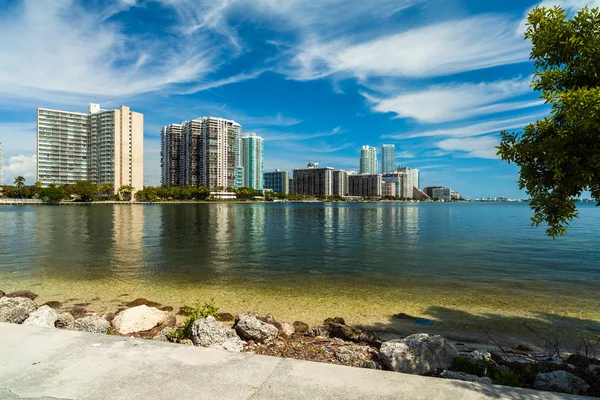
127,249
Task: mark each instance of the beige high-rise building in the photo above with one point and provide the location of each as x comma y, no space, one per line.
102,147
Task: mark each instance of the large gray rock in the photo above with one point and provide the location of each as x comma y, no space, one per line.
138,319
418,354
352,354
211,333
162,335
64,320
44,316
251,328
92,324
461,376
475,356
16,309
560,381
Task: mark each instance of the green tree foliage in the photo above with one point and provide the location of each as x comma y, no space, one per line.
126,192
52,194
85,190
559,156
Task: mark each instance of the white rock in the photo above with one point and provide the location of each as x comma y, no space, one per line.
44,316
251,328
352,353
560,381
418,354
91,324
287,329
138,319
16,309
211,333
461,376
64,320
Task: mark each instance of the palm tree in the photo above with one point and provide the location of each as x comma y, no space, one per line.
20,182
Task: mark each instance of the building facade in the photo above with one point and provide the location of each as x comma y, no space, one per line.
313,181
388,189
439,193
277,181
340,183
252,161
388,157
102,147
365,185
207,153
171,140
405,180
368,160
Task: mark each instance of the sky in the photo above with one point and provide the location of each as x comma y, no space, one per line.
317,80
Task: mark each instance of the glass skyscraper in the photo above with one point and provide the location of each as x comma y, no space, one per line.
252,161
388,155
368,160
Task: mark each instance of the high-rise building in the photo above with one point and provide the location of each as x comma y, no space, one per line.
238,181
207,153
171,138
102,147
252,161
277,181
405,179
388,156
313,180
388,189
368,160
340,183
439,193
365,185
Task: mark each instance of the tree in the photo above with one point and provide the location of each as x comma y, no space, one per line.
125,192
85,190
19,183
559,156
52,194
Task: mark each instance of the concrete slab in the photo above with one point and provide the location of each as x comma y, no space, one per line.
40,363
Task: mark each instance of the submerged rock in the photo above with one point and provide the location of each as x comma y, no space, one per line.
251,328
143,302
138,319
211,333
301,327
418,354
560,381
52,304
2,294
15,309
79,312
44,316
64,320
91,324
23,293
226,317
461,376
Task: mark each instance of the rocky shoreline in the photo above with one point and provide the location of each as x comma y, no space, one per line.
333,341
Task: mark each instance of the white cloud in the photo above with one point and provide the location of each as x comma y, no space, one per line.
439,49
477,129
287,136
19,165
405,154
479,147
452,101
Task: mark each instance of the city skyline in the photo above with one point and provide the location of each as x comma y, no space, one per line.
321,98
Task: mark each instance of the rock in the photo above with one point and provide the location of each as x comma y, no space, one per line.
92,324
15,309
109,316
162,335
186,311
52,304
287,329
418,354
269,319
226,317
337,328
524,347
370,364
560,381
301,327
245,315
211,333
142,302
138,319
2,294
461,376
475,356
44,316
352,354
187,342
255,329
580,360
170,320
336,320
23,293
318,330
166,308
64,320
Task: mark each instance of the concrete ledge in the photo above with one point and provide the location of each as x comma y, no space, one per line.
38,363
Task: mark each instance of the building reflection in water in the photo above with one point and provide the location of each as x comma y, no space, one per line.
127,253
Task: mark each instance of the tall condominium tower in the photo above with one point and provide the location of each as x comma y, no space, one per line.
368,160
252,161
170,155
102,147
388,155
278,181
313,180
405,180
207,152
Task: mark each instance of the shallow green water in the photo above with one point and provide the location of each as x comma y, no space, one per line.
466,266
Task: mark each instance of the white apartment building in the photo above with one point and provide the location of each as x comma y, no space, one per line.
102,147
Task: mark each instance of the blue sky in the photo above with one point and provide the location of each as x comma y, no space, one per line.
316,79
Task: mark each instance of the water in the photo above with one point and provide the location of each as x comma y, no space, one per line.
465,266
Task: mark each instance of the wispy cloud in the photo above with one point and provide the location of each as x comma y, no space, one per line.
478,147
274,136
456,101
405,154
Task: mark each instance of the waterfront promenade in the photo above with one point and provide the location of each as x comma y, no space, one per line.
60,364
